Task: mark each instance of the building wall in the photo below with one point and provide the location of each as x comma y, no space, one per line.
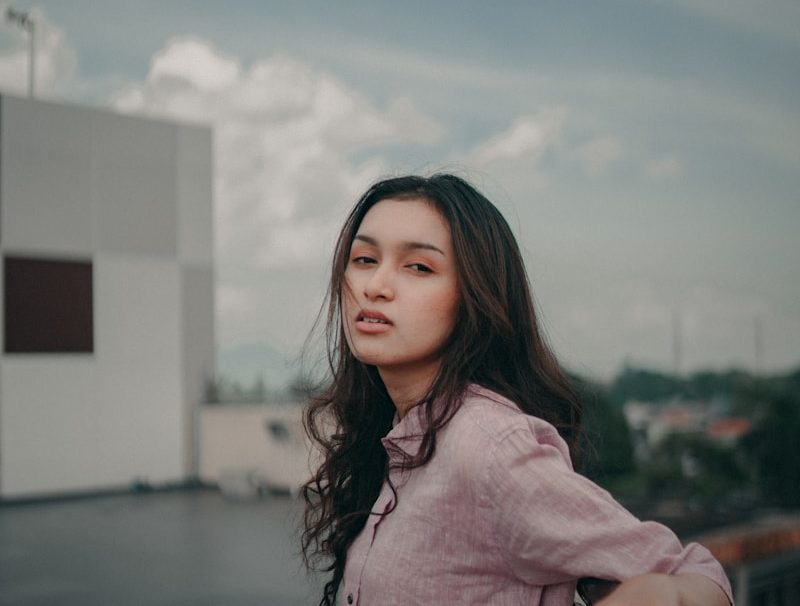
263,444
133,197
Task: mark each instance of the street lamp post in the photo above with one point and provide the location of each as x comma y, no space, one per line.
23,19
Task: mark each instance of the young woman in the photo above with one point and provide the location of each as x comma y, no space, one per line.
447,430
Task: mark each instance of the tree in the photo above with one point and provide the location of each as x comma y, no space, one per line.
691,466
606,448
774,446
705,385
646,385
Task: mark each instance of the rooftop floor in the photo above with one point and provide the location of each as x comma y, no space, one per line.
167,548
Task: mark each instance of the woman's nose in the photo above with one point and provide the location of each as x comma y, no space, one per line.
379,285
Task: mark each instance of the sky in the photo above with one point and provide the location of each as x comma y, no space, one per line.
645,152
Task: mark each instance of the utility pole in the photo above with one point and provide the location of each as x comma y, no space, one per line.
677,341
23,19
758,334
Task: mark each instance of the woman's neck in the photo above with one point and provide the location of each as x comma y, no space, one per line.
407,389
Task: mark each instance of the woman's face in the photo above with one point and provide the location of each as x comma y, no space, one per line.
400,296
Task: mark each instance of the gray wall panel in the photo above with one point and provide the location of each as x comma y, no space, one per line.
195,195
134,185
46,189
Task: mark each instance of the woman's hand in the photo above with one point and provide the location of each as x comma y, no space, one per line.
666,590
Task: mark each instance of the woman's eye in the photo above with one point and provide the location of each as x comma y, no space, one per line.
420,268
363,260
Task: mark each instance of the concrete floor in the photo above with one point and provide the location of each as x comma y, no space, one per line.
172,548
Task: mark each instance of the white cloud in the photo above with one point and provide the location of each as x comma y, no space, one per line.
194,62
55,59
529,137
284,173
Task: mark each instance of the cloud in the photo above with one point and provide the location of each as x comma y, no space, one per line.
55,59
285,137
529,137
194,62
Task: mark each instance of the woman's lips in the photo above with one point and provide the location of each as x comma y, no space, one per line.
372,322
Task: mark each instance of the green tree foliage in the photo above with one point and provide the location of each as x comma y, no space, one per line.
651,386
752,397
606,448
774,446
705,385
645,385
690,466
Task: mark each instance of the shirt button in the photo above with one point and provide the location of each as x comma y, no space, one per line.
349,598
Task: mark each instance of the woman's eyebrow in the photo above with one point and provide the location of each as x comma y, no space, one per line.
407,245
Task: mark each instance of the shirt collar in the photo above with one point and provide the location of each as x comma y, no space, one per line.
406,433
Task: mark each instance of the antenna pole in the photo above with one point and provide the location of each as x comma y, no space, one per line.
23,20
676,341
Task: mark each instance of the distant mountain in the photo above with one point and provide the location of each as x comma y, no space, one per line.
245,363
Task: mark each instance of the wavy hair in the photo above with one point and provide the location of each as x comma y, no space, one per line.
496,342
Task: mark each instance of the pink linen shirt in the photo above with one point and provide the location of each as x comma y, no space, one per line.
498,517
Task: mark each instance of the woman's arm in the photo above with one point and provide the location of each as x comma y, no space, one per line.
553,525
667,590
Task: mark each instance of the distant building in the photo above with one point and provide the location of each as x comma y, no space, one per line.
249,448
677,417
651,423
106,283
730,430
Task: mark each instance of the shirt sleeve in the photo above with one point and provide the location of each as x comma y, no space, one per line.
554,526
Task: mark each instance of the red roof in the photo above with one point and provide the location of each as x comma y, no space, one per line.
731,428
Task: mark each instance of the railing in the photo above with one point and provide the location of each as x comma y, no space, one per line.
771,581
762,559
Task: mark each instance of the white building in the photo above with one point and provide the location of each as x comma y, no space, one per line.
107,290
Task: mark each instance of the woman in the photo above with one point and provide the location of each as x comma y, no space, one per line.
447,430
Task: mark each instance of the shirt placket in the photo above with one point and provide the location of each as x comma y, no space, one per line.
382,506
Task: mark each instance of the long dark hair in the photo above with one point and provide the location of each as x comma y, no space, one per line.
496,343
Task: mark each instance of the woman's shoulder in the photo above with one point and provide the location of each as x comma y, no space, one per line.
489,435
492,419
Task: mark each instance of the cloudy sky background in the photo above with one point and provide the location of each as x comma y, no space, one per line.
646,152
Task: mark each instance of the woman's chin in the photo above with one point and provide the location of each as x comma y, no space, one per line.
371,358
